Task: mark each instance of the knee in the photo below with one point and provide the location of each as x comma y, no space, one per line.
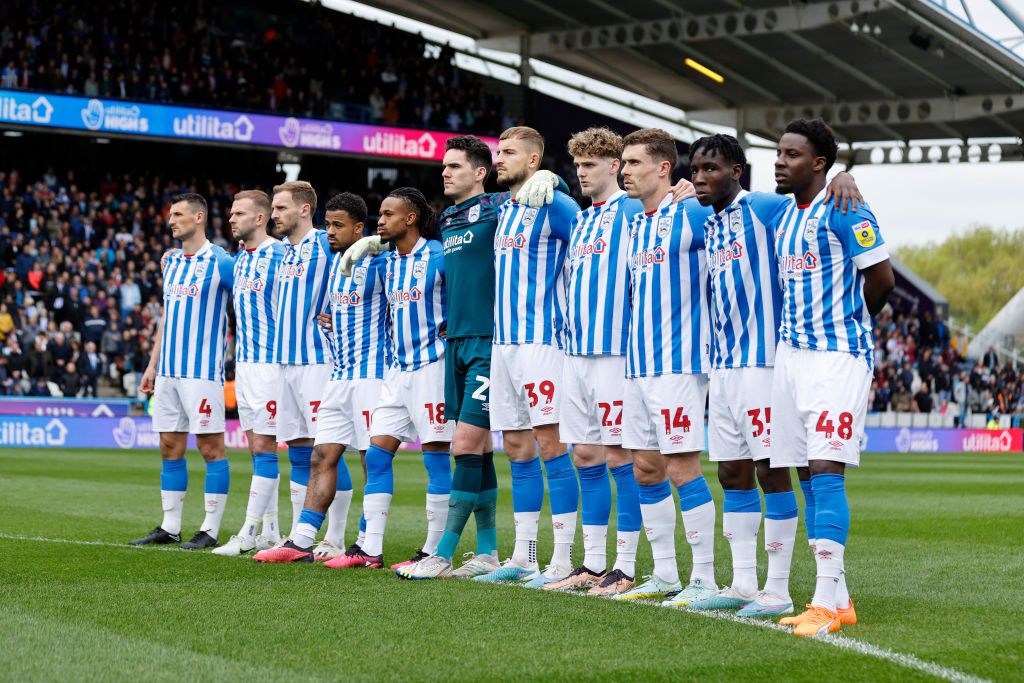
519,445
774,479
549,442
210,450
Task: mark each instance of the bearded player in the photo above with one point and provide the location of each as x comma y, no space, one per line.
358,332
257,375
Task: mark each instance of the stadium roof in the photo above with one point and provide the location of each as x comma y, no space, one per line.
877,70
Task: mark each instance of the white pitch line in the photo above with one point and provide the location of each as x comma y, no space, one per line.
838,641
72,541
845,643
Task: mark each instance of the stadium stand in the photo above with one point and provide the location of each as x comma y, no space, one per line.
243,56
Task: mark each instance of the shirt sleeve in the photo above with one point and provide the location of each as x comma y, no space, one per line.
860,236
226,265
561,215
769,208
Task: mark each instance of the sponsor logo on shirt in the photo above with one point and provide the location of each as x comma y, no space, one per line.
404,296
598,246
453,241
724,255
508,242
253,284
793,263
645,259
346,299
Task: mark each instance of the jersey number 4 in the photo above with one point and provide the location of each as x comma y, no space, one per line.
826,426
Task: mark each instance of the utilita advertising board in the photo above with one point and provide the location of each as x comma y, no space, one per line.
118,117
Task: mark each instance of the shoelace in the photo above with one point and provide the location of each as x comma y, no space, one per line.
615,576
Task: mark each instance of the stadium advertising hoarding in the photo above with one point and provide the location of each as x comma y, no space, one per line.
66,407
137,432
118,117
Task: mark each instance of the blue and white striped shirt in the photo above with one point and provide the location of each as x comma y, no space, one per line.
821,255
416,302
743,274
668,330
359,316
255,296
197,289
529,254
301,296
597,269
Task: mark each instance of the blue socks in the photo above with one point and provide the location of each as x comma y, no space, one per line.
527,486
809,508
832,510
563,490
780,505
738,500
596,494
654,493
344,476
173,475
380,475
312,517
627,502
695,493
439,472
218,477
300,457
265,465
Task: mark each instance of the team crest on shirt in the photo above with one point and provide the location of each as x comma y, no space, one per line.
529,216
359,275
736,220
864,233
474,213
608,218
811,228
664,225
201,269
419,269
307,251
262,265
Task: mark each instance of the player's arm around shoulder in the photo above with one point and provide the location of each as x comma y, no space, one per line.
225,267
768,207
696,217
562,215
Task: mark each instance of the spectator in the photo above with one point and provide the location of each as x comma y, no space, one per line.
903,400
923,398
94,326
91,365
71,383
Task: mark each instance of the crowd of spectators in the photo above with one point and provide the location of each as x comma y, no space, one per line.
920,367
80,292
290,57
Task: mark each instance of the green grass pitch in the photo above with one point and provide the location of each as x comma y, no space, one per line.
935,565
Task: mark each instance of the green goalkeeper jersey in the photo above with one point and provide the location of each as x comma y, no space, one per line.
467,230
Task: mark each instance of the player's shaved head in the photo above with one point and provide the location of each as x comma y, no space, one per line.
533,140
656,142
602,143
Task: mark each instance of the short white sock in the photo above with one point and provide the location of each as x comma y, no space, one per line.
740,529
298,496
173,503
699,523
779,539
375,509
525,552
625,551
563,528
660,525
829,561
304,535
437,518
337,518
271,528
361,538
261,490
215,504
595,547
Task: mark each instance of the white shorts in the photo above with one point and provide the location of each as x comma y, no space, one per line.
739,414
592,400
346,412
257,386
412,405
195,406
665,413
526,383
300,392
819,400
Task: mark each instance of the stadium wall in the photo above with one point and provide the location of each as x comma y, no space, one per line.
29,431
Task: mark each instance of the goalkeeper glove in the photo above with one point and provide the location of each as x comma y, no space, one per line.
539,190
371,245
